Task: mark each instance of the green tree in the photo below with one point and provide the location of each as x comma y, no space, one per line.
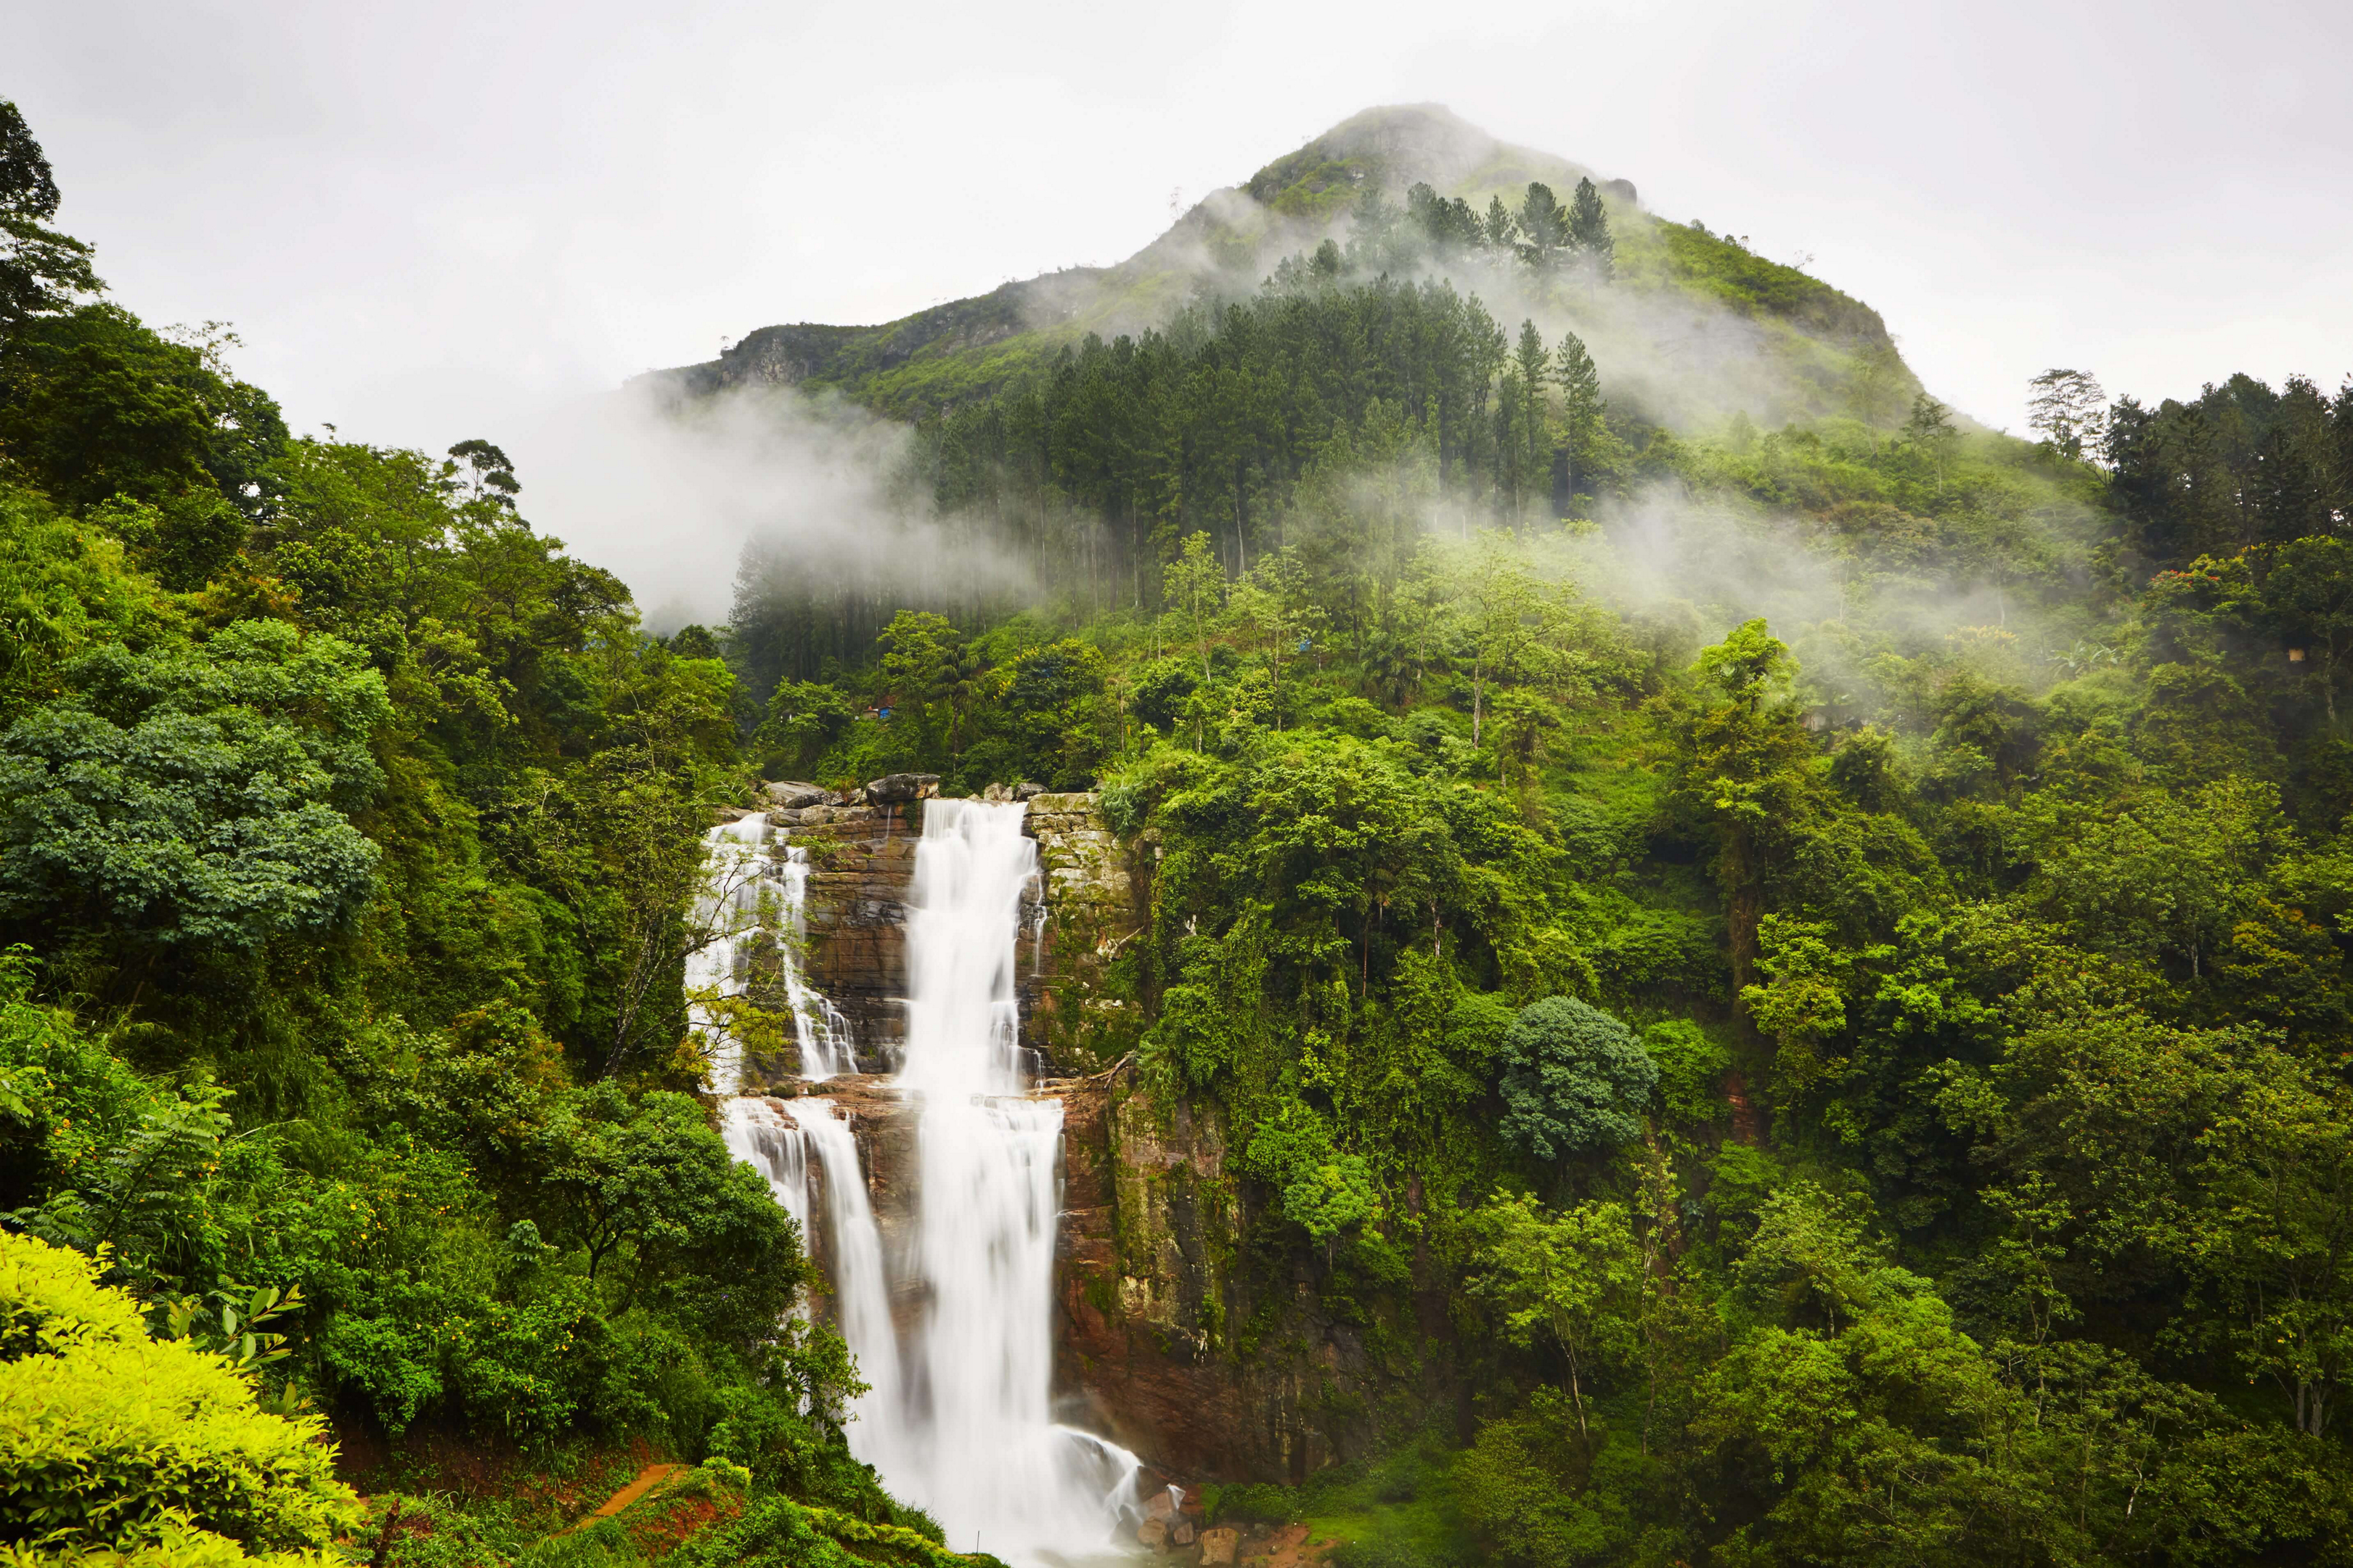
1589,231
1543,226
1502,228
41,270
2310,593
1581,405
2069,409
647,1187
1575,1080
1930,432
1197,584
196,797
1574,1279
1743,771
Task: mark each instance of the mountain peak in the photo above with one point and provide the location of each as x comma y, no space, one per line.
1393,146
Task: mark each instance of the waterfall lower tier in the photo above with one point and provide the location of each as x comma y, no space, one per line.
958,1413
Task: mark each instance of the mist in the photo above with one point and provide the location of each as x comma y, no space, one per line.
667,496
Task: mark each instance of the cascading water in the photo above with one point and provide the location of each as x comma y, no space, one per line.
729,909
974,1441
745,893
823,1033
770,1142
958,1416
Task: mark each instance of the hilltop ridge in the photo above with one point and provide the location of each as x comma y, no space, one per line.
1224,246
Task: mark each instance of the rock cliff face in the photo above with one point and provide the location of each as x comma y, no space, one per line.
861,863
1212,1359
861,859
1088,913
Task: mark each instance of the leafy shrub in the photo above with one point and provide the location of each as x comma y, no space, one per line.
777,1532
1324,1190
109,1438
1575,1079
1691,1069
1519,1486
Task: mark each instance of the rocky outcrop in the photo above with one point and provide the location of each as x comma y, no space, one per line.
898,789
1072,1012
861,859
791,794
861,850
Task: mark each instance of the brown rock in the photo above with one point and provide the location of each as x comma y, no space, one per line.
861,859
898,789
1181,1532
1153,1532
1218,1546
791,794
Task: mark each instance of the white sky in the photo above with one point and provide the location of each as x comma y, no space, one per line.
429,220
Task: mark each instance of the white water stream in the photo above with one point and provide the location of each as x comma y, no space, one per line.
748,894
957,1417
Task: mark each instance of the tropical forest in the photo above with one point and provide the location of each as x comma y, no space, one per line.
1436,876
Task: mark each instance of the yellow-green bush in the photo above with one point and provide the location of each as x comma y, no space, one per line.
112,1441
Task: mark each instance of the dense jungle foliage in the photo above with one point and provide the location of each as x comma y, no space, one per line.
1822,948
349,830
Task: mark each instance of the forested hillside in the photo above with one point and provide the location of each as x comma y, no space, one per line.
1786,950
348,833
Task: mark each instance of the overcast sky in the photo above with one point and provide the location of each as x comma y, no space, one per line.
428,220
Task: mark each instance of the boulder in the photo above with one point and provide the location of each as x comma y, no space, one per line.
898,789
1160,1506
1024,791
792,794
1218,1546
1153,1532
1181,1532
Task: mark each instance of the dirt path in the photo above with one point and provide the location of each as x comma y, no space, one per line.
647,1478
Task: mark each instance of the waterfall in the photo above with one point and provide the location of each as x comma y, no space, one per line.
728,908
747,893
821,1030
974,1441
771,1143
957,1417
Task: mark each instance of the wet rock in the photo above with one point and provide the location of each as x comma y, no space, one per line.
898,789
1153,1532
1181,1532
861,859
1089,911
1218,1546
792,794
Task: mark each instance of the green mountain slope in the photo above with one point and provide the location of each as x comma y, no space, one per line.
1766,338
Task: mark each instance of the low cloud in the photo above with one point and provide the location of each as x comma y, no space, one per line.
668,495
